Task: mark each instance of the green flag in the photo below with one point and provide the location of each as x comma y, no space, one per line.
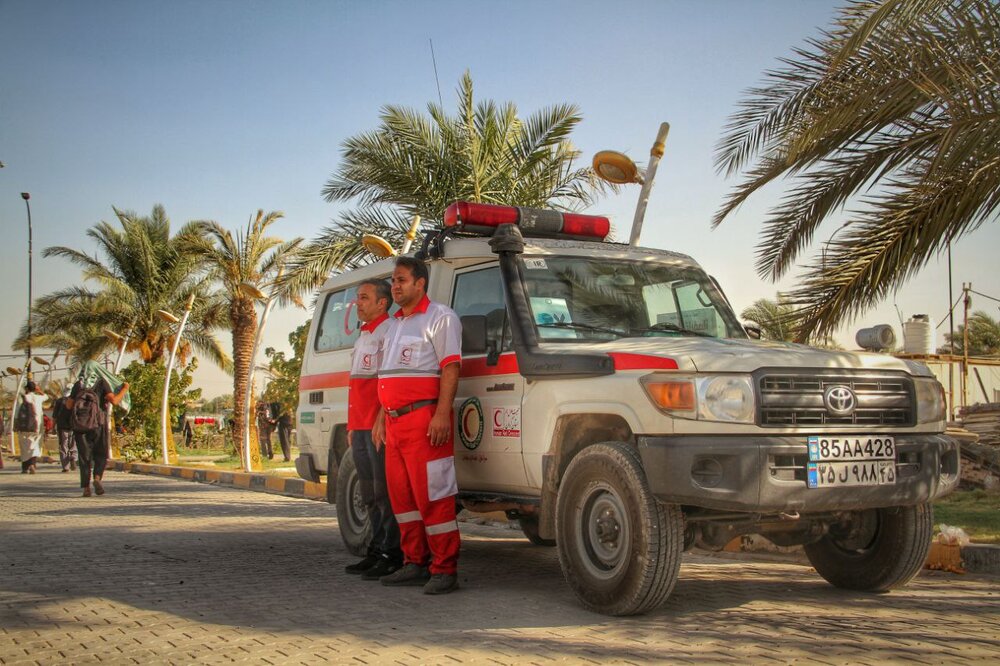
92,371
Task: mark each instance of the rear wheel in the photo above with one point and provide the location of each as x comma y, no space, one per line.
352,515
619,547
877,550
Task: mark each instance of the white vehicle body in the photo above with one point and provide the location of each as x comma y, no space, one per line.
528,407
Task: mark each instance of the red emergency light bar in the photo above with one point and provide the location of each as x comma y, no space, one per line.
485,218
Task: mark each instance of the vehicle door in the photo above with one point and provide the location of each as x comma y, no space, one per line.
488,454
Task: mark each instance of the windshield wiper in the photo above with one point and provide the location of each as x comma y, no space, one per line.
667,326
581,327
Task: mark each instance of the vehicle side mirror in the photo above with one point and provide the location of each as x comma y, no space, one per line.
473,334
753,331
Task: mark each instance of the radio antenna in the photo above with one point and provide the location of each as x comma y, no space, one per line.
436,80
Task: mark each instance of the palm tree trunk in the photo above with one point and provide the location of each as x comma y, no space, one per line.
244,321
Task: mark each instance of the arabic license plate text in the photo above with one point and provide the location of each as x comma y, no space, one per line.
858,473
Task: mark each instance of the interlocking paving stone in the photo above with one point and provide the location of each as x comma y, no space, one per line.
162,570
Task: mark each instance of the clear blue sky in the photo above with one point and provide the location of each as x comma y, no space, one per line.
216,109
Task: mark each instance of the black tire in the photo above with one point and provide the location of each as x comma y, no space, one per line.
880,550
619,547
352,515
331,475
529,525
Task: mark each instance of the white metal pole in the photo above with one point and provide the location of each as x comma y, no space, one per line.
13,410
655,153
121,350
247,467
165,408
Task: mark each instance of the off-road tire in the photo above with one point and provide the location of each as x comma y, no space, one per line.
529,525
331,474
619,547
888,550
352,516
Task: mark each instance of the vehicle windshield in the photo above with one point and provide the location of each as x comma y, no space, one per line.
576,298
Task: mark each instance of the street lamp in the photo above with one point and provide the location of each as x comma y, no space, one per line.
26,196
619,169
122,340
253,292
165,408
829,241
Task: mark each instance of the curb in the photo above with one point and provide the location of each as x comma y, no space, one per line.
276,485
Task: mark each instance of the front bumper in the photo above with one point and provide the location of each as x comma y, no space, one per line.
768,474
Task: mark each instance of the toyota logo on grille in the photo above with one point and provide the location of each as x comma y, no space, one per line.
840,400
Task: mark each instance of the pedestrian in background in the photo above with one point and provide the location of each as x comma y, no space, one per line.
91,429
265,426
64,430
284,430
29,422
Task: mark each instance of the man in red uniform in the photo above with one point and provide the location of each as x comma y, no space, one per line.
384,556
416,386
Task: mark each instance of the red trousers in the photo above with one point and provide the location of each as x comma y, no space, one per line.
422,491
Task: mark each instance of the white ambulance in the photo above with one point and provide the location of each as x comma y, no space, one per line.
611,402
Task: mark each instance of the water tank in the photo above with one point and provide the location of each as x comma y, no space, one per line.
918,335
876,338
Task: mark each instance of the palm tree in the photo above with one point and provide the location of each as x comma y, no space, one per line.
896,110
984,336
250,257
416,164
773,318
143,269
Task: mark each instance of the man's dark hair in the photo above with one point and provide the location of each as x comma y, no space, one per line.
30,386
382,289
417,268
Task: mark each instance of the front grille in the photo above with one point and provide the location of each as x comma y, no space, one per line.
791,400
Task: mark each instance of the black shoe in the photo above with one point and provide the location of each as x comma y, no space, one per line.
362,566
441,584
383,568
408,574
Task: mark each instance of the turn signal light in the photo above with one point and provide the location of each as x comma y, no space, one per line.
676,396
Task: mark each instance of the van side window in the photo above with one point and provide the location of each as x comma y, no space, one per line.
338,324
481,293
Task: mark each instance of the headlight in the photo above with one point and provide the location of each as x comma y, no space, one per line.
930,400
727,398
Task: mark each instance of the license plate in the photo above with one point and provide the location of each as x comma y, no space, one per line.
849,449
858,473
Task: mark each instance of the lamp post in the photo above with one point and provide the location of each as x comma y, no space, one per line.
26,196
122,340
619,169
828,241
165,408
256,294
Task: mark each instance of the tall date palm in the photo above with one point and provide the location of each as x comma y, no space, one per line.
417,164
894,114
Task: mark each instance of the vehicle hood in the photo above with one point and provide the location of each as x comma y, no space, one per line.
697,354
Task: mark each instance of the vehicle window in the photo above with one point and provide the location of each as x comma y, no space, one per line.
338,325
576,298
480,292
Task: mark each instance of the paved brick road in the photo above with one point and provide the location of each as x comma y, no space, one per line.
162,570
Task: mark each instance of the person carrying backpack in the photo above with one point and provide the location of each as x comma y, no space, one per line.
88,407
28,422
64,429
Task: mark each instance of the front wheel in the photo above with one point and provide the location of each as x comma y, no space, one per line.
877,550
619,547
352,515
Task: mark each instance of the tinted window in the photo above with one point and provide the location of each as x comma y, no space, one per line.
480,292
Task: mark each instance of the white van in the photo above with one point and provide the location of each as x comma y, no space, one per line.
611,402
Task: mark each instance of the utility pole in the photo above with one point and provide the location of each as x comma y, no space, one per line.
951,341
967,302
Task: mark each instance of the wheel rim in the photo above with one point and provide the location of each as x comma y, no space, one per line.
604,532
861,536
357,513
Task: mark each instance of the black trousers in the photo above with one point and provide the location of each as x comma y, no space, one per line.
375,496
285,437
92,451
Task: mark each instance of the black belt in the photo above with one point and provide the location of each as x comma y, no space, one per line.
406,409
